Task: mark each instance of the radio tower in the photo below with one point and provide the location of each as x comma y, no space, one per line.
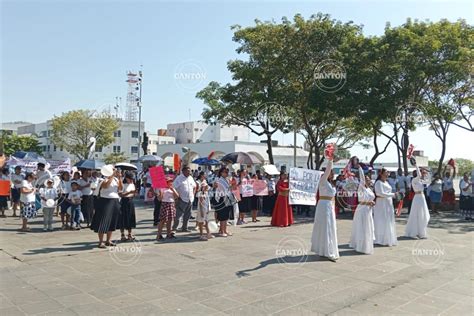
133,100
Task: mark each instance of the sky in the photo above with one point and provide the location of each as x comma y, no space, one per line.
58,56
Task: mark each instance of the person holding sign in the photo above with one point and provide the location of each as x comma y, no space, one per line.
419,215
384,213
362,237
324,236
282,215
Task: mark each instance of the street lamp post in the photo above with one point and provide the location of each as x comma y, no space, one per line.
139,104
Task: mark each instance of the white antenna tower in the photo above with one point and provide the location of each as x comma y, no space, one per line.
131,112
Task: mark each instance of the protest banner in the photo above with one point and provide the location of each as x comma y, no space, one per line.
260,187
158,180
303,186
247,187
4,187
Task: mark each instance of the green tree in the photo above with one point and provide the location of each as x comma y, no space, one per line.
10,143
72,131
114,158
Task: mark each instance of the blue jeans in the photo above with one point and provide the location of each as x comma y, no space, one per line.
75,215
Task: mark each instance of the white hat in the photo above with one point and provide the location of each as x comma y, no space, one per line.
48,180
107,170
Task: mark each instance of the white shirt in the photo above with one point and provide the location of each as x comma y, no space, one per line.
65,187
447,183
185,187
437,186
17,178
111,192
27,197
128,187
41,176
401,180
48,193
167,195
393,184
271,185
325,187
87,190
75,197
383,189
462,185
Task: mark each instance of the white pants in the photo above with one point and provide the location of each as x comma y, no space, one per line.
48,217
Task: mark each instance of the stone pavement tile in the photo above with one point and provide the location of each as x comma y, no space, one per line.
448,295
370,308
320,276
245,297
76,299
321,306
5,302
221,303
296,311
438,303
354,294
41,307
418,308
11,311
387,300
390,266
347,312
62,291
183,276
171,302
224,289
148,294
95,309
459,309
194,309
271,289
279,302
198,295
369,274
245,310
463,287
121,301
107,292
60,312
160,281
251,282
402,292
143,309
19,297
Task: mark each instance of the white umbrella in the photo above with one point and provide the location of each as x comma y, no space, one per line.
125,166
150,158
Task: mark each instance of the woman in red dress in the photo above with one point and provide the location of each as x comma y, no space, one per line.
282,213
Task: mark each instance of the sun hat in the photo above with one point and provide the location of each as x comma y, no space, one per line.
107,170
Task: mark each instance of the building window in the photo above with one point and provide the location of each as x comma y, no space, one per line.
134,149
236,137
54,148
117,133
196,129
134,134
116,149
98,149
170,142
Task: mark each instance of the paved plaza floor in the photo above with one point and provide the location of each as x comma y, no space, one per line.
260,270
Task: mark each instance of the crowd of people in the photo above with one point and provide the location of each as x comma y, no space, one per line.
104,202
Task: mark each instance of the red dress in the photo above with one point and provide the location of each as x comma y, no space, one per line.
282,212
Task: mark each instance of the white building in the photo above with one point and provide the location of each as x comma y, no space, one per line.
12,127
125,140
200,132
157,140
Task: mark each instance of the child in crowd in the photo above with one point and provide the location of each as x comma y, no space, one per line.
48,193
64,189
204,207
75,198
168,209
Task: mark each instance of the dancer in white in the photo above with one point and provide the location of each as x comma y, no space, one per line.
419,214
324,237
384,214
362,237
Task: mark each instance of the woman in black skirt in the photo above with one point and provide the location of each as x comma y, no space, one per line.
127,209
107,212
224,201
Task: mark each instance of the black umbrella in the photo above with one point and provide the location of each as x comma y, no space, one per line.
89,164
241,157
125,166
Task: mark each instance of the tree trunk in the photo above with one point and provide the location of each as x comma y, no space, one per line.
404,149
443,147
317,157
269,148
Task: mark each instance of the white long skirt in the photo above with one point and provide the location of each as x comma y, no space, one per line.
362,236
384,222
418,218
324,237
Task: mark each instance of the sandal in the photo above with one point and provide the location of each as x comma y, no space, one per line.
101,246
131,238
110,244
229,234
171,236
123,238
159,237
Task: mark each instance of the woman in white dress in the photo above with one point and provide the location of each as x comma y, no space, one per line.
324,237
362,237
419,214
384,214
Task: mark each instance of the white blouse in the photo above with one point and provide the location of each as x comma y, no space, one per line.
325,187
111,192
383,189
365,194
